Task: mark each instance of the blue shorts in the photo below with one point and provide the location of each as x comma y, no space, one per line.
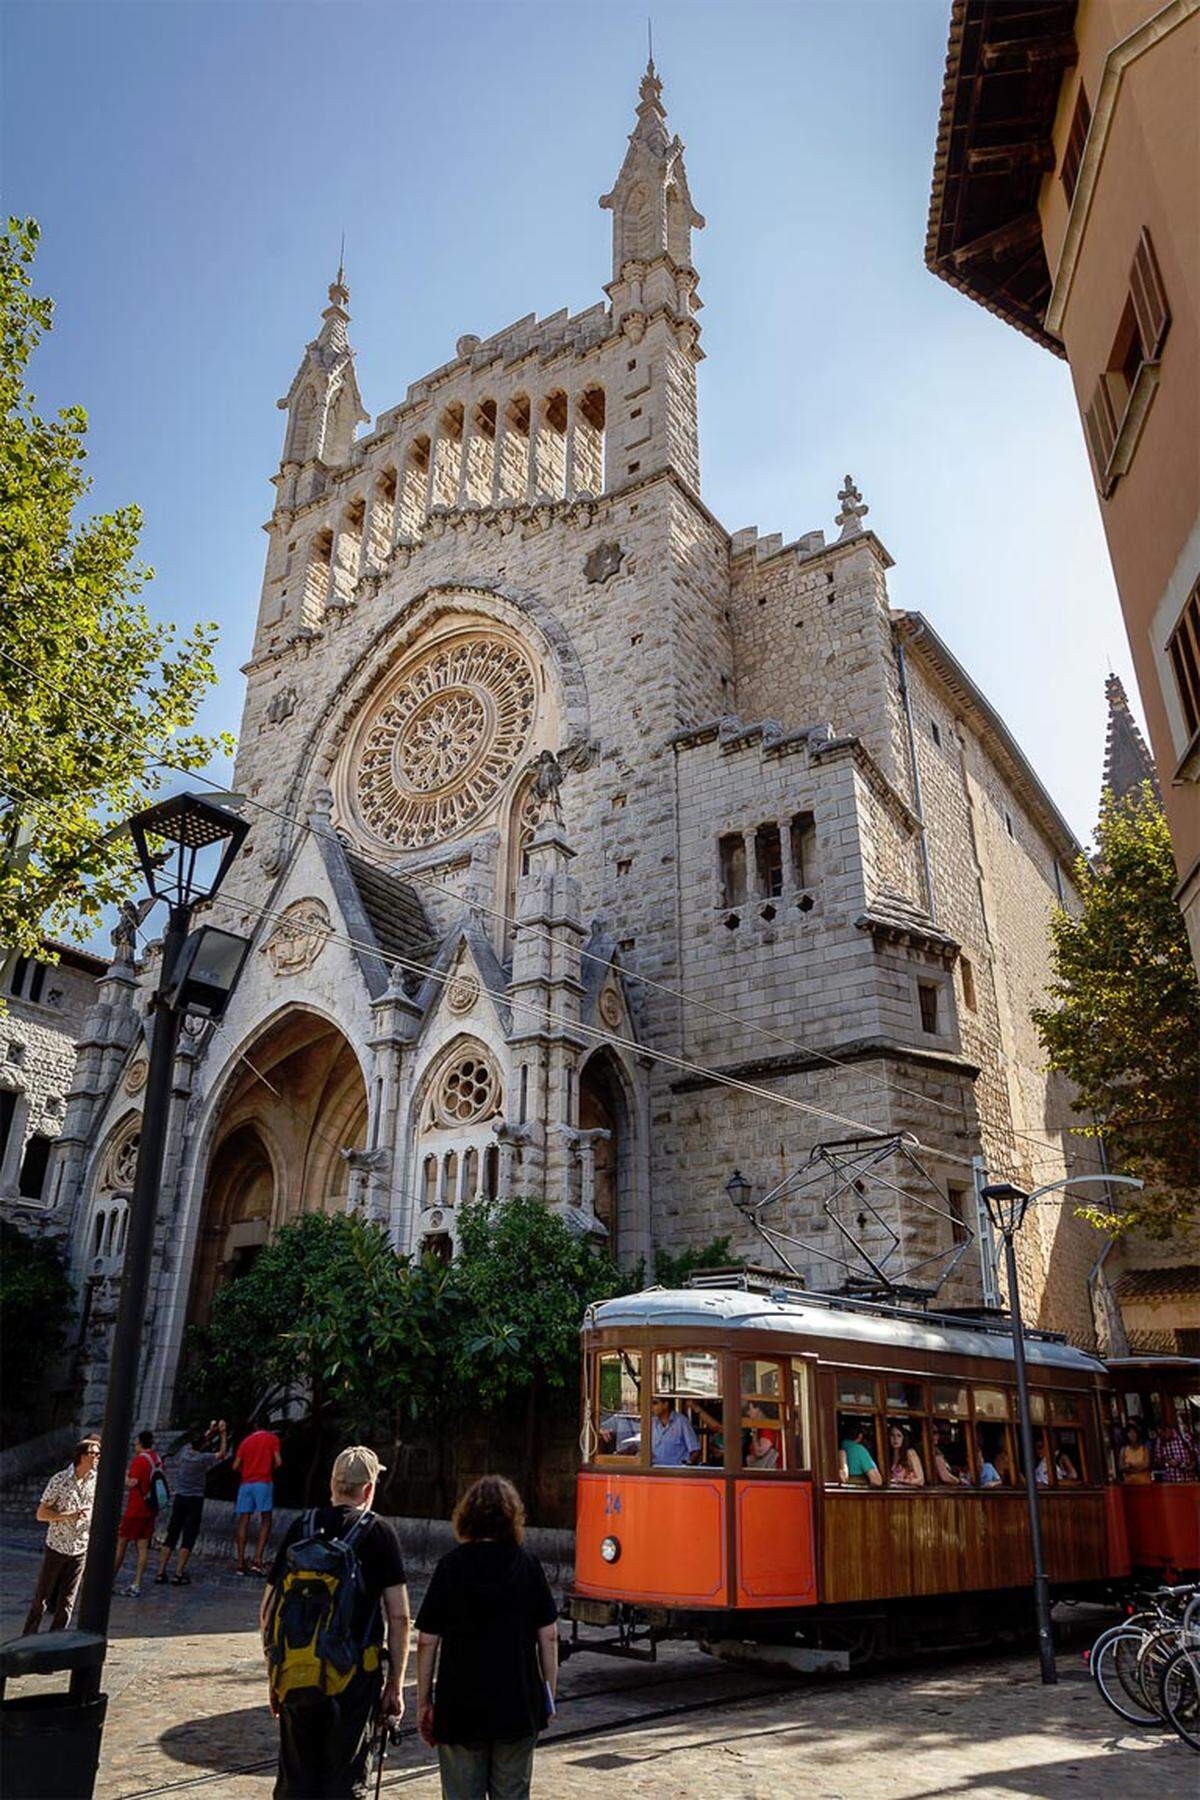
256,1497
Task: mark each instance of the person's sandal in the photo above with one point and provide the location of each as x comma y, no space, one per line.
258,1569
181,1581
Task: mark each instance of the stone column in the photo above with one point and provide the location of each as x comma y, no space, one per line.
569,482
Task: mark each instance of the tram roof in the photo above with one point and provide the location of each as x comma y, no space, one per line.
825,1316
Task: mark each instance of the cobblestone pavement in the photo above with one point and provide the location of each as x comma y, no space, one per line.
187,1716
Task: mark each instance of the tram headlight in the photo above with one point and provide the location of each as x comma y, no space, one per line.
610,1549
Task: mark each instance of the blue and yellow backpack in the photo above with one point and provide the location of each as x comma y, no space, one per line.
313,1650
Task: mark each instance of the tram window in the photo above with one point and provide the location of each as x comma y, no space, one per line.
1037,1408
856,1390
950,1402
859,1451
801,1441
762,1387
990,1403
619,1403
905,1396
993,1446
687,1409
951,1460
1069,1466
1066,1409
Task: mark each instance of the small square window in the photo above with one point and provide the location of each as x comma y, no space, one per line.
927,997
631,365
936,731
634,467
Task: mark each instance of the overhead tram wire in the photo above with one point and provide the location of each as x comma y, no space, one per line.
633,1045
503,998
417,879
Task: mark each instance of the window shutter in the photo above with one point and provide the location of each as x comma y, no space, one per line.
1149,298
1101,424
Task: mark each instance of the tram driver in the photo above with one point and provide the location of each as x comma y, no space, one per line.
673,1441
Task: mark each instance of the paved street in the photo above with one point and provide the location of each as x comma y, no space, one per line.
187,1715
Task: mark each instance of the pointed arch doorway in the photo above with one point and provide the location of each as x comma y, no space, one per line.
295,1101
604,1108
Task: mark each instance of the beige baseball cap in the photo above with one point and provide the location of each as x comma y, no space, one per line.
356,1466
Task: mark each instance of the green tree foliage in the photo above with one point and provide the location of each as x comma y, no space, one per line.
92,690
523,1282
672,1271
35,1300
376,1345
1125,1019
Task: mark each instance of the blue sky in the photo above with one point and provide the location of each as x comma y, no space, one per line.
193,164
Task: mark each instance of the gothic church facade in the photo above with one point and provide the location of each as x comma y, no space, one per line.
596,851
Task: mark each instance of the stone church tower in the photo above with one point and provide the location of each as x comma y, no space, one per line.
595,851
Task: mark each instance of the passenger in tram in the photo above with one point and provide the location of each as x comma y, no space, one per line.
944,1469
906,1469
994,1470
1135,1455
620,1434
673,1442
759,1451
855,1462
1064,1468
1173,1457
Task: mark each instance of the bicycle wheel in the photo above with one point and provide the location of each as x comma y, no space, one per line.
1181,1695
1114,1663
1158,1647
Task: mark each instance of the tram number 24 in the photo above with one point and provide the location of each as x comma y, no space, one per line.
612,1504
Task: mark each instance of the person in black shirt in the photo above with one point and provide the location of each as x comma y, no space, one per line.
325,1743
488,1623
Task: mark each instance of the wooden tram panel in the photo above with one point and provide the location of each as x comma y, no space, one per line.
731,1539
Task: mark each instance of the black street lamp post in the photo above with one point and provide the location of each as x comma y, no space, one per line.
1007,1206
177,843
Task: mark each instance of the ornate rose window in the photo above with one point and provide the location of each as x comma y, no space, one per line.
468,1091
441,741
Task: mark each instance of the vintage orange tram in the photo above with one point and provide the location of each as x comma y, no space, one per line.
762,1461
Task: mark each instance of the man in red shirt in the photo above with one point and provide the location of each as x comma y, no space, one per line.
137,1521
258,1457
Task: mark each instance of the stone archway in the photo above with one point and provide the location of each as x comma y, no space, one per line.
296,1101
604,1109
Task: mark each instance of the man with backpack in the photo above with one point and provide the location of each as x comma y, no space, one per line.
146,1495
336,1594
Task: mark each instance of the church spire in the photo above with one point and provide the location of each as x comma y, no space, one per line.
323,403
653,215
1127,761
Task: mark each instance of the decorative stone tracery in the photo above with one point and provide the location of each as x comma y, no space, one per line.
439,745
468,1091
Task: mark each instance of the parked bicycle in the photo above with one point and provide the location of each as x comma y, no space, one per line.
1147,1668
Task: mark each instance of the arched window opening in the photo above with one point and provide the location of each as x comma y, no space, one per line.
316,576
447,456
429,1181
98,1244
491,1172
450,1178
383,515
587,475
636,224
550,450
32,1178
514,448
470,1175
110,1232
480,469
121,1230
412,489
349,548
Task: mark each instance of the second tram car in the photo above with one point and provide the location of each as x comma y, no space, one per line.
1151,1394
759,1463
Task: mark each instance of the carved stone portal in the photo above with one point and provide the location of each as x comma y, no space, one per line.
298,939
439,745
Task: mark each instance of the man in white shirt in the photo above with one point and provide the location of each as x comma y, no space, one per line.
66,1507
